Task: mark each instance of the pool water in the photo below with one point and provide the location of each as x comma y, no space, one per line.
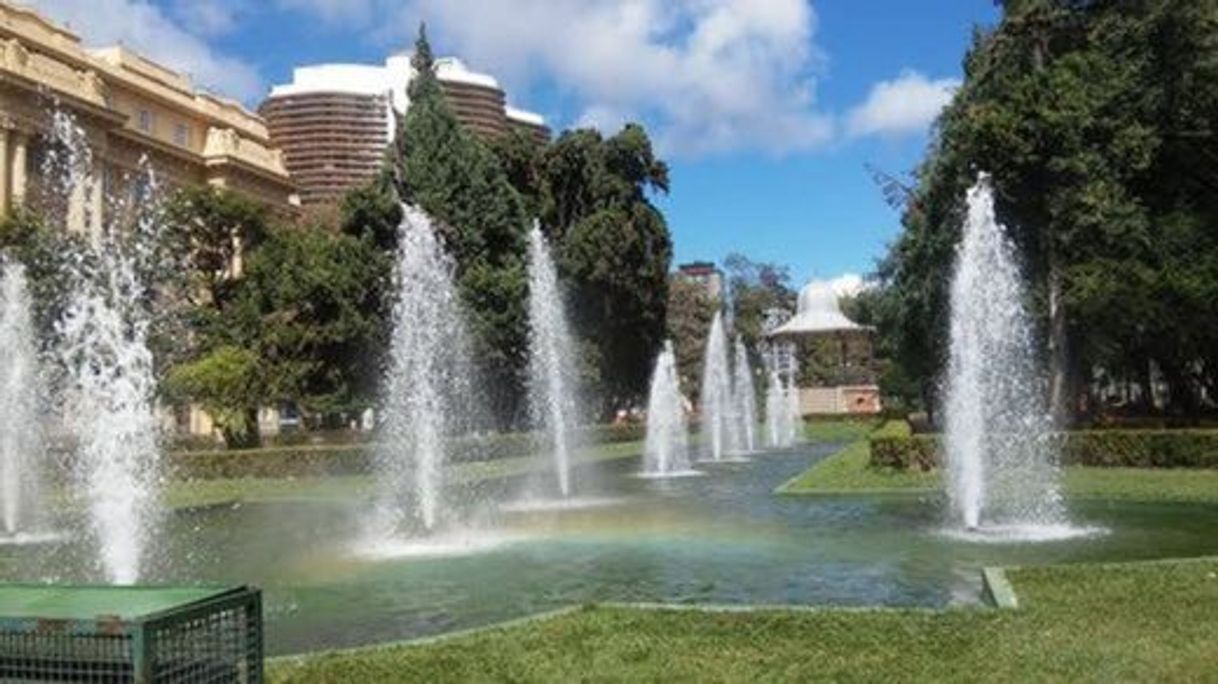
723,538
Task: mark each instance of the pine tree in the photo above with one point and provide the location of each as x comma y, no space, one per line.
438,166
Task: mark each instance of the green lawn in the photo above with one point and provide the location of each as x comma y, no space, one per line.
839,430
1128,622
847,472
191,493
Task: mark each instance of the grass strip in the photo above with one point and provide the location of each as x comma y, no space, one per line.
1120,622
848,472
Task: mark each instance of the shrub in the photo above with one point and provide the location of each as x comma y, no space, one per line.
302,461
1142,448
1096,448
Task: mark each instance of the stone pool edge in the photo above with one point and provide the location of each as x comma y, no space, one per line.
996,589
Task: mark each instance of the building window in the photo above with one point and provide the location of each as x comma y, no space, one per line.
145,120
181,135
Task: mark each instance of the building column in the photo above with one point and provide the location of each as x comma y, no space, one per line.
97,197
4,171
78,195
17,167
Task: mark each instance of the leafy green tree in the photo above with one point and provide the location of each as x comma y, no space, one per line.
520,155
690,312
47,255
226,383
1095,120
310,308
290,313
614,249
755,289
213,228
372,212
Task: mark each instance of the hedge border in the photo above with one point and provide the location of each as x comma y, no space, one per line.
310,460
1093,448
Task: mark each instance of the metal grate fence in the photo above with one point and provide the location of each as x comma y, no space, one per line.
217,639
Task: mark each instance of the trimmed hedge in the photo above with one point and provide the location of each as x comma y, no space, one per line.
1142,448
301,461
1095,448
909,452
357,459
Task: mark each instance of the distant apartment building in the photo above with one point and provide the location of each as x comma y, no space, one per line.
132,111
334,121
705,273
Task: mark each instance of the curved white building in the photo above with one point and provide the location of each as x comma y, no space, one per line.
334,121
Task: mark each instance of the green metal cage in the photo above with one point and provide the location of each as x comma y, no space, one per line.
130,634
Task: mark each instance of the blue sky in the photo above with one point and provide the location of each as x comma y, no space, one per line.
767,110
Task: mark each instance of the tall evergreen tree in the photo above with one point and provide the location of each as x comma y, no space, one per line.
454,177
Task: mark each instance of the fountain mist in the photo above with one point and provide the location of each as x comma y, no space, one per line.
552,378
109,388
744,402
715,402
21,430
666,449
426,385
781,413
1001,463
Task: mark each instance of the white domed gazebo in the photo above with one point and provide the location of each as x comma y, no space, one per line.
818,314
819,317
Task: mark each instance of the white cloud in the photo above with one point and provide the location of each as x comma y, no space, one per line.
208,17
706,75
905,105
350,12
146,29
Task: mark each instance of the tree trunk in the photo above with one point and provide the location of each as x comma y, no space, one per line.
246,436
1059,352
1147,383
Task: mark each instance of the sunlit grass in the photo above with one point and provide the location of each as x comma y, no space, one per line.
210,492
848,472
1127,622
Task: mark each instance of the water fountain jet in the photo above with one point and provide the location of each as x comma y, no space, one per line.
110,387
1002,473
666,446
744,403
552,378
427,386
21,444
781,413
715,400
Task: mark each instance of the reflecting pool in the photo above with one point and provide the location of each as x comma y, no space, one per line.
721,538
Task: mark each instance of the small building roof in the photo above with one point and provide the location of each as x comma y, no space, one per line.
818,313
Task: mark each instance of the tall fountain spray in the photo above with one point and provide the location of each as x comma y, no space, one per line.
426,384
715,402
109,389
21,446
1002,466
666,448
552,378
794,417
780,413
744,402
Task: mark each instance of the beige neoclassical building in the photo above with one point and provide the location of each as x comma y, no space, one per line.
131,109
134,113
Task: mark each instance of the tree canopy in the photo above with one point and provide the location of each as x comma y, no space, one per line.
614,248
1096,122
